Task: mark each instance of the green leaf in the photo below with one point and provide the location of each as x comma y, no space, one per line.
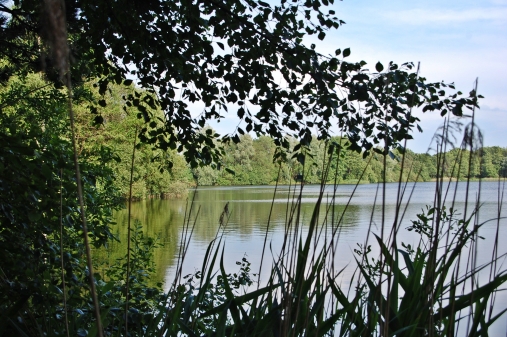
241,113
346,52
379,67
98,120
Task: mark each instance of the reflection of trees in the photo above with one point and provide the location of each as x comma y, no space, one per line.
160,219
249,211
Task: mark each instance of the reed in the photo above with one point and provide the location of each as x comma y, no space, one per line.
435,288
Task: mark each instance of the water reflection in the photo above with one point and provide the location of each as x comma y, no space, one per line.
355,213
159,219
249,209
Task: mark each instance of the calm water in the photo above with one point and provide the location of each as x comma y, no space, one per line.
249,209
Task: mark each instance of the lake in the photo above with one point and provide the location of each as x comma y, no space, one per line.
249,209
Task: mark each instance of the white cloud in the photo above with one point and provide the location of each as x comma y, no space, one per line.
419,16
499,2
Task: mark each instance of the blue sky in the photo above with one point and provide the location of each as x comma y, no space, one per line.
455,41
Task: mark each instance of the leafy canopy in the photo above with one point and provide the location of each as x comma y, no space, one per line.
246,56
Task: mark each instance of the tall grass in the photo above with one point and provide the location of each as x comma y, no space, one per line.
435,288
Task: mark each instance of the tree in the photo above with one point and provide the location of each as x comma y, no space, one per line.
492,160
156,172
237,162
39,214
226,54
265,171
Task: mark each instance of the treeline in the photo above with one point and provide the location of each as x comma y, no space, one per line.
165,173
251,161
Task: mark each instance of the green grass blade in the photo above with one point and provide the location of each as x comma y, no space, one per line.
475,295
489,323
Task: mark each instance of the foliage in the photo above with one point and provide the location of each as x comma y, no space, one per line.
144,300
40,228
426,294
493,162
156,173
227,56
39,206
201,297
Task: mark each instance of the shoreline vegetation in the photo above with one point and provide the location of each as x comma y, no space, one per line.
165,174
355,182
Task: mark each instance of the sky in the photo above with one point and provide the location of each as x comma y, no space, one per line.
455,41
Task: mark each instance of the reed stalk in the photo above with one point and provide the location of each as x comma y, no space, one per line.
64,290
129,230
